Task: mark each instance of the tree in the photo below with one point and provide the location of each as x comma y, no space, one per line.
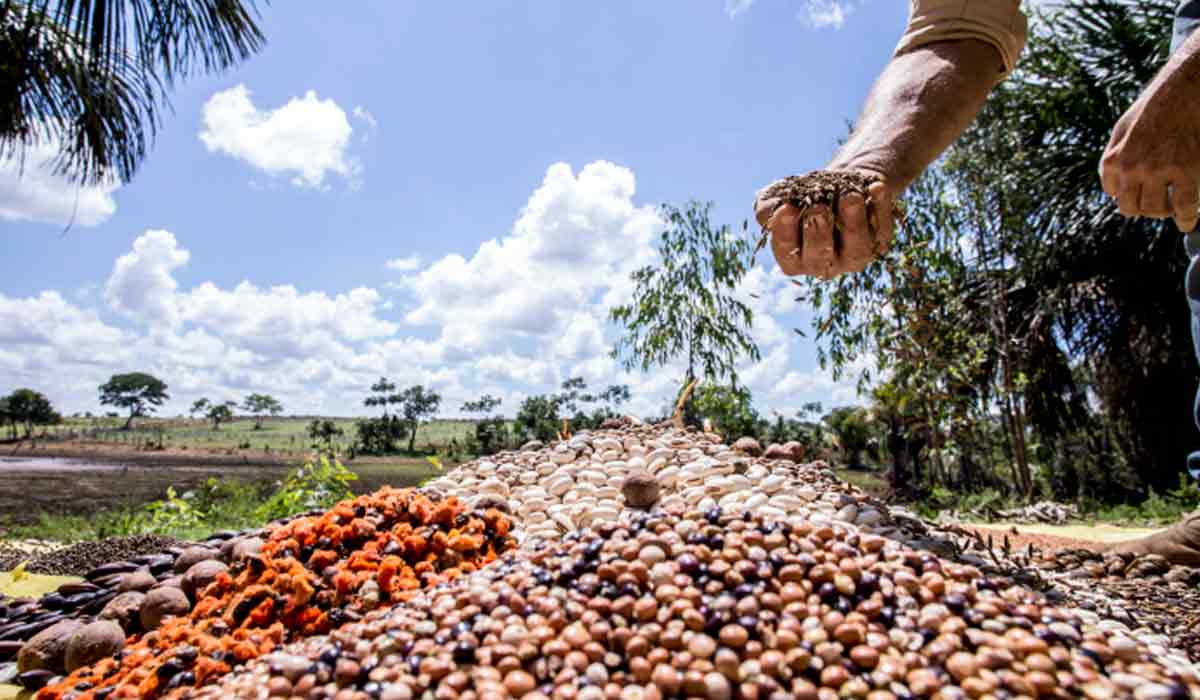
220,413
29,408
90,77
138,392
416,404
383,393
684,307
259,404
483,405
852,430
323,432
729,409
538,416
200,407
6,416
491,433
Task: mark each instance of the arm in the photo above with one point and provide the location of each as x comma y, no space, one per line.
948,62
1152,163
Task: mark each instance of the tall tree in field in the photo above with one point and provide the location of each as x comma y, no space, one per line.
259,405
220,413
29,408
91,76
200,408
416,404
683,307
137,392
383,394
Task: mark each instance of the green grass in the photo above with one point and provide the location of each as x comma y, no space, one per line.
289,435
872,483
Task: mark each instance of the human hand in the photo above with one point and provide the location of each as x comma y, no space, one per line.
815,243
1152,163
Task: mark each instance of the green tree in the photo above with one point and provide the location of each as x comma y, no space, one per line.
92,76
138,392
200,407
417,404
220,413
851,428
491,433
29,408
538,416
323,433
729,409
684,307
260,405
383,394
6,417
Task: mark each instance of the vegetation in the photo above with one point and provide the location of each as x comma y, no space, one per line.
491,433
28,408
218,504
91,77
138,392
417,404
261,405
684,307
541,417
1024,346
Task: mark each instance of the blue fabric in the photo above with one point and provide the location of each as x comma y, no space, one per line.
1187,20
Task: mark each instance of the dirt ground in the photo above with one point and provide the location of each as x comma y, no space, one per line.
1050,537
140,477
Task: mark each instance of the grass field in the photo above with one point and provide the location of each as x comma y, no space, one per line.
286,435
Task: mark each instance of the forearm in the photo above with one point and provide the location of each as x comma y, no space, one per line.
921,103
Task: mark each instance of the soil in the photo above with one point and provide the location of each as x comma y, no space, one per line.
120,476
817,188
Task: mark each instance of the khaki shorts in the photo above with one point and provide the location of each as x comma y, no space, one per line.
997,22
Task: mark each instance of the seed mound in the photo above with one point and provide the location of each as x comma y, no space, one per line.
312,575
719,606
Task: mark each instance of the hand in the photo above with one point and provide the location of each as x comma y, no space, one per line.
825,250
1152,163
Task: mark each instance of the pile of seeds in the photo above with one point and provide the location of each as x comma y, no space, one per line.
720,607
312,574
79,558
591,479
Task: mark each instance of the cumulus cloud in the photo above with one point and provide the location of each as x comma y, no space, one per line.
307,139
821,14
513,316
30,190
407,264
141,285
576,237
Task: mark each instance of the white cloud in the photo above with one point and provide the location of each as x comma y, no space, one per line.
576,238
514,316
31,191
308,138
141,284
821,14
407,264
735,7
361,113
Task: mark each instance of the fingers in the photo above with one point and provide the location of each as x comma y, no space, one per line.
784,225
1155,201
1185,203
820,252
857,244
881,216
1129,197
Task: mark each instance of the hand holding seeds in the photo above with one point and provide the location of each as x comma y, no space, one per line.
827,222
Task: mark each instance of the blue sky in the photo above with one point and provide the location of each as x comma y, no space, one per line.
450,194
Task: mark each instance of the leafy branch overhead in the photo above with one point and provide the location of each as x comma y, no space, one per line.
91,76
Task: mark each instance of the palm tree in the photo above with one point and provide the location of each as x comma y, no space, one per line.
91,76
